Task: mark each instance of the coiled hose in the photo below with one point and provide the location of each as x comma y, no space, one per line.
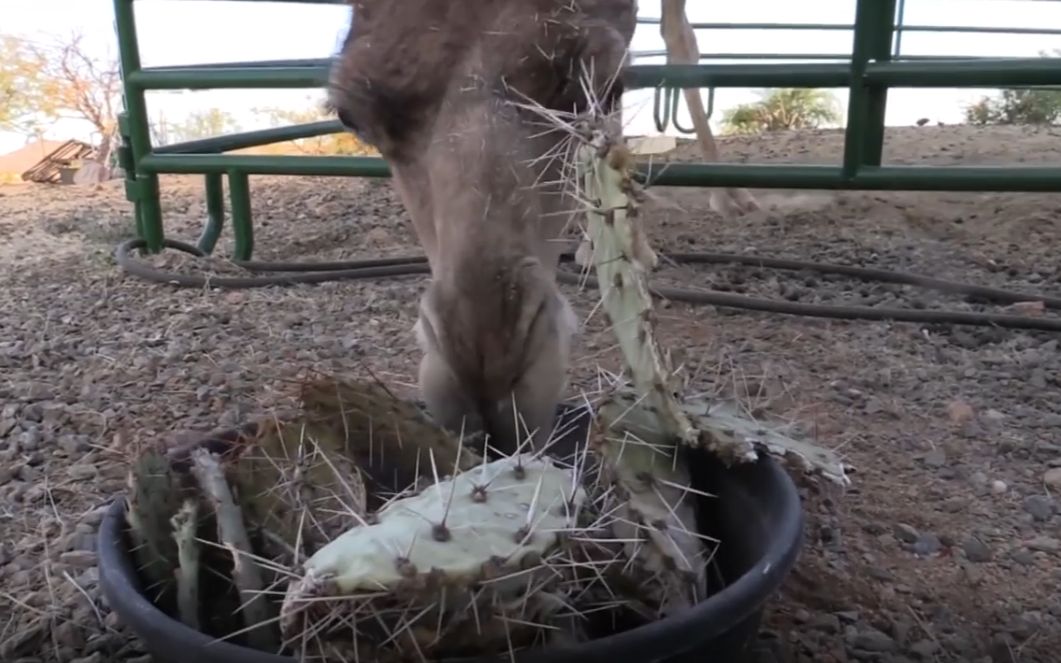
291,273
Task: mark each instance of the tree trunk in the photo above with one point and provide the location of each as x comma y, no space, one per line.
103,157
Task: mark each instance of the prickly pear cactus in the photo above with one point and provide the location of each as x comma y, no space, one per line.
390,439
474,561
298,486
185,534
651,481
655,518
621,256
154,498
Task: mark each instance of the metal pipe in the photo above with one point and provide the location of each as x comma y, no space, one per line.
245,139
985,72
864,135
767,176
239,194
141,187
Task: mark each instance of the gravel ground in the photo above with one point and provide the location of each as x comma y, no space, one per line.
947,547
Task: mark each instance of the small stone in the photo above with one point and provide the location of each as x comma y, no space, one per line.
974,575
927,544
79,558
1002,651
1025,625
39,392
1046,544
36,493
82,472
825,622
7,425
960,412
924,649
906,533
901,629
33,412
847,616
872,527
1023,557
103,642
1040,507
112,621
1052,479
828,535
26,472
73,445
871,639
976,550
936,458
69,634
65,654
998,487
959,643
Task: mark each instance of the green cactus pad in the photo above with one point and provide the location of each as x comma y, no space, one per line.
390,439
461,566
154,498
504,510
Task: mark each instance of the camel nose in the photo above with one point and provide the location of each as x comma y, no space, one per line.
346,120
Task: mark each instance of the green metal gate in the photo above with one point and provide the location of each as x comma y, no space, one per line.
869,71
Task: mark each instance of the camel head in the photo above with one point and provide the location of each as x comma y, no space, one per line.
447,92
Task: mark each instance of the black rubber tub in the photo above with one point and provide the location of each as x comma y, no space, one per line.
757,516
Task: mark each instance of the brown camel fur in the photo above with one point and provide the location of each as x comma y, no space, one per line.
437,87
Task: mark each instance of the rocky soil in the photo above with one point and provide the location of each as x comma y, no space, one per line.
947,546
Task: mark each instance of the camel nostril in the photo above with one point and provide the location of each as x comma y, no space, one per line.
346,120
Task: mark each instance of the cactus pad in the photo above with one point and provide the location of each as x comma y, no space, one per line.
462,557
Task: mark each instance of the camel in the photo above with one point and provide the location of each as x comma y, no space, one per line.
682,48
442,89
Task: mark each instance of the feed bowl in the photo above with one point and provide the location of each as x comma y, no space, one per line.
756,515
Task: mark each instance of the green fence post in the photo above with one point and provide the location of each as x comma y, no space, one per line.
215,213
128,166
141,186
661,108
242,224
900,27
873,68
864,137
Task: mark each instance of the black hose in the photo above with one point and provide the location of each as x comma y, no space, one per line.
303,273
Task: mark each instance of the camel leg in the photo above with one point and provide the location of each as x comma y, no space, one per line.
680,40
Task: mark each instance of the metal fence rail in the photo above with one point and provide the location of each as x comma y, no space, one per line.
872,67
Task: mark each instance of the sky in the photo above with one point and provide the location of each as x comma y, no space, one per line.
176,32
